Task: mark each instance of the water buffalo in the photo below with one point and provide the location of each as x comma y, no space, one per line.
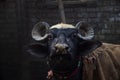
73,54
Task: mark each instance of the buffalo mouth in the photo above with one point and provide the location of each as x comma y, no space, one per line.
61,57
62,62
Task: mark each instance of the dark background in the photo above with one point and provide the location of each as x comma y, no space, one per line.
17,17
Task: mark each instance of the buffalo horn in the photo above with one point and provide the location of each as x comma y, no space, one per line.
85,32
39,31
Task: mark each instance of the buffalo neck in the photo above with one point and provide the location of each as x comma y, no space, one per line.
75,74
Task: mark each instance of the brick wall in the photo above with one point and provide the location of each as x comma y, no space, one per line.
103,15
17,17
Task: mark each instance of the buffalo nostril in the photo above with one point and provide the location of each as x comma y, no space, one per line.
66,47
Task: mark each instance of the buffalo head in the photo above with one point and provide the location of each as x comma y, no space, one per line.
63,44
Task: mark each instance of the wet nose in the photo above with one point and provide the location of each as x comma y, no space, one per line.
61,47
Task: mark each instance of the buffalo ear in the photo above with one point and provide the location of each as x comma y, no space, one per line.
88,46
36,49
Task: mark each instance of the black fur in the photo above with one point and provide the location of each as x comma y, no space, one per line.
77,47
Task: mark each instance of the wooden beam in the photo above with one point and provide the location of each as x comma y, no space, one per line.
62,13
70,2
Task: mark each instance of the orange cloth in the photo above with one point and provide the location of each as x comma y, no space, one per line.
106,65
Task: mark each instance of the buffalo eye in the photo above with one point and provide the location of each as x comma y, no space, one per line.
74,35
50,36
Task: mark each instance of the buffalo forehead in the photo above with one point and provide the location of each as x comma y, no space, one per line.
62,26
65,31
